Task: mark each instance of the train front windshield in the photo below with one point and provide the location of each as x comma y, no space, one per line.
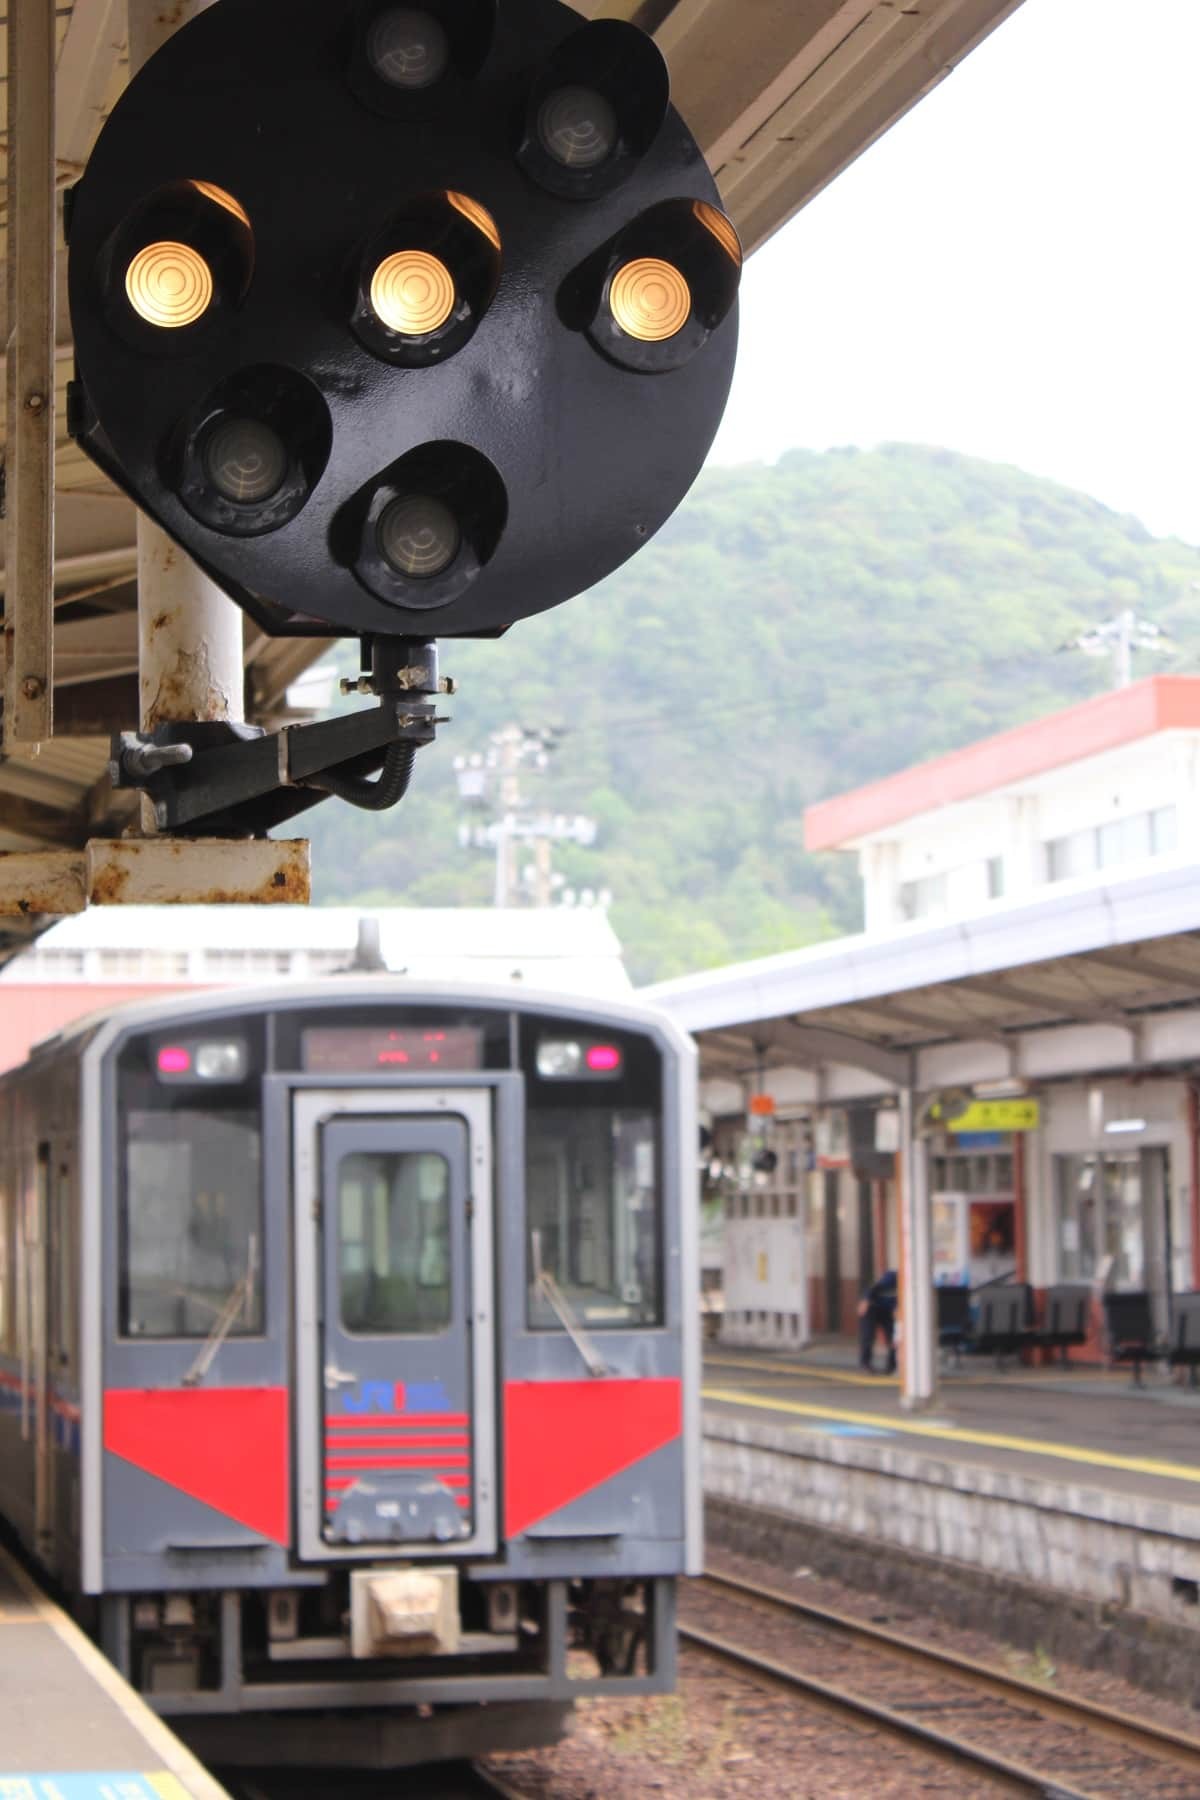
594,1226
192,1221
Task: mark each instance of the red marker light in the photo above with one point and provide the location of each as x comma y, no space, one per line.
173,1059
603,1059
393,1056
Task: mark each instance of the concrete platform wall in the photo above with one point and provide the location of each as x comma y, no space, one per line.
1113,1548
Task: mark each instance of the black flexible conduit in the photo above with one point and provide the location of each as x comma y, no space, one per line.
390,785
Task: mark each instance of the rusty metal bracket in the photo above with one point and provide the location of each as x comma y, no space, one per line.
206,776
155,872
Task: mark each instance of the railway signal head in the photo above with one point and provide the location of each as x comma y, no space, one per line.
403,320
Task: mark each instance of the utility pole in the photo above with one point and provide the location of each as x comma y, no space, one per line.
492,782
1117,639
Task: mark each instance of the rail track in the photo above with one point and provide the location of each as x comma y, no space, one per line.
1142,1757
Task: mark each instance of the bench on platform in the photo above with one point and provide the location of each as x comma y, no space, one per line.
953,1319
1002,1320
1129,1331
1184,1352
1065,1314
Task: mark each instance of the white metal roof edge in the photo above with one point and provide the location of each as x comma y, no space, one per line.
1070,921
467,931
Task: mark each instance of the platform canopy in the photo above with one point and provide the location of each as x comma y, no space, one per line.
783,94
1086,977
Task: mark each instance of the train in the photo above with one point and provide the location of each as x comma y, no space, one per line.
349,1357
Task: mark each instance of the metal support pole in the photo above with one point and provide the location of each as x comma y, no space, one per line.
189,633
29,529
918,1347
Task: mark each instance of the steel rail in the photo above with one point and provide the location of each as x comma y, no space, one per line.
1159,1742
1016,1778
496,1784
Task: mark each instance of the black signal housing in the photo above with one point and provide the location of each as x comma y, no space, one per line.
558,449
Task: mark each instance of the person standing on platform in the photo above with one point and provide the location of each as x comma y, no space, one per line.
877,1313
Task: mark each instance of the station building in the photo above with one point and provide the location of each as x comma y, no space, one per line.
1006,1063
108,955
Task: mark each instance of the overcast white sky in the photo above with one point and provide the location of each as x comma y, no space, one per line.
1013,270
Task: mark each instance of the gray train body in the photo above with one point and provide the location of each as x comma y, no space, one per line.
348,1357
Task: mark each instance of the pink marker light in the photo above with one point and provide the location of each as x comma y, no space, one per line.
602,1059
173,1059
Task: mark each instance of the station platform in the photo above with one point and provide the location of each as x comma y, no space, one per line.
1066,1477
70,1727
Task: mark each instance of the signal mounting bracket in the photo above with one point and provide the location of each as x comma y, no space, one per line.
215,777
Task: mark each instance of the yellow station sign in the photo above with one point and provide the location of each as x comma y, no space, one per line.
998,1115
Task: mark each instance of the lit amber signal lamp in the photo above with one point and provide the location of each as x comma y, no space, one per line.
412,293
650,300
169,285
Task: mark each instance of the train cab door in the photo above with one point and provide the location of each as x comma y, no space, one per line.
397,1447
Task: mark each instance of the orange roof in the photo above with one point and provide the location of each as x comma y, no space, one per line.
1161,703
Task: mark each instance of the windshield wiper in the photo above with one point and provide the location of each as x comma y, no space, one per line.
545,1284
237,1301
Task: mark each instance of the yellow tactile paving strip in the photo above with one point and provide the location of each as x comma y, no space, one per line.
991,1440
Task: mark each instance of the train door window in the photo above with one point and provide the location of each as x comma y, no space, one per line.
394,1241
191,1223
593,1215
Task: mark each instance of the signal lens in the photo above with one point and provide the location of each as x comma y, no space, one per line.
245,461
408,48
412,293
577,127
722,228
477,215
650,300
603,1059
226,201
418,536
169,285
174,1059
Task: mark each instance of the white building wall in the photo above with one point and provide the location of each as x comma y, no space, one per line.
954,844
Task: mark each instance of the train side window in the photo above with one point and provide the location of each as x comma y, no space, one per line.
594,1215
66,1236
191,1222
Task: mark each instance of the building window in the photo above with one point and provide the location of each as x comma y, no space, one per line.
1109,1214
1163,834
1107,846
922,899
995,878
143,965
1074,854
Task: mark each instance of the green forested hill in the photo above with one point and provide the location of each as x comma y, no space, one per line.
794,630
